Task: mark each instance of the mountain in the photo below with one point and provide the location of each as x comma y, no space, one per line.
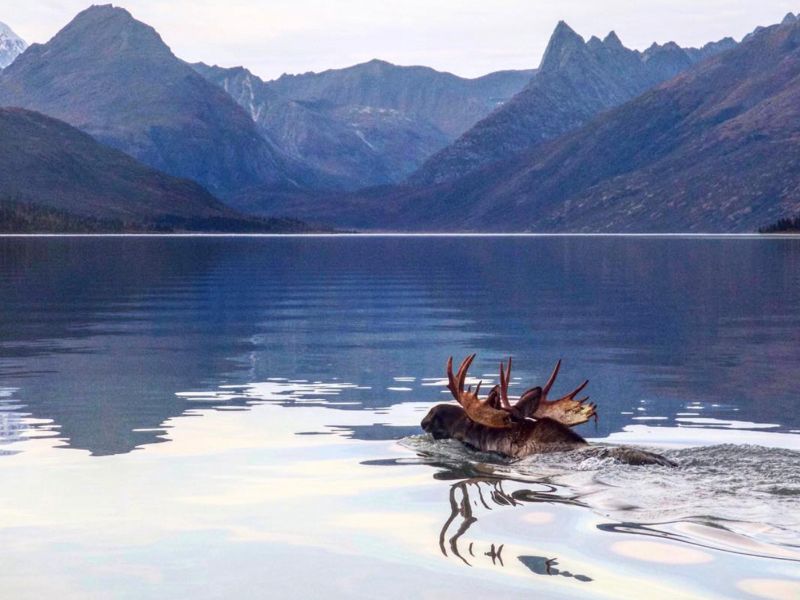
451,103
60,178
114,78
371,124
354,146
576,81
11,46
713,150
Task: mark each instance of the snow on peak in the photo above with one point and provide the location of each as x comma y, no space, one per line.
11,45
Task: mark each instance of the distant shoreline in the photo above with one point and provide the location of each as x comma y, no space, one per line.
752,236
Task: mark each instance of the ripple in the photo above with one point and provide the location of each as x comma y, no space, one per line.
737,498
278,390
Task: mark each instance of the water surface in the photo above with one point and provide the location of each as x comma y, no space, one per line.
238,417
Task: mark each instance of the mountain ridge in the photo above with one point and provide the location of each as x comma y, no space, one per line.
369,124
176,121
713,150
382,84
576,80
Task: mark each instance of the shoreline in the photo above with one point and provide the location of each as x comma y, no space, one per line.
677,235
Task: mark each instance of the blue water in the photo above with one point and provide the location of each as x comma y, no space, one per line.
221,416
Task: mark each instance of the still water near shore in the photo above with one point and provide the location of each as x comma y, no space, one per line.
238,417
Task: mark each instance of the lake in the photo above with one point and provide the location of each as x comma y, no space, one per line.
238,417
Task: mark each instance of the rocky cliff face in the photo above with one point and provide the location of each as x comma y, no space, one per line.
576,81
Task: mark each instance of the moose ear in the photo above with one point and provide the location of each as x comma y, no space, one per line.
529,402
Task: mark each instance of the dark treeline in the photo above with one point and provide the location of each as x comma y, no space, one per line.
24,217
787,225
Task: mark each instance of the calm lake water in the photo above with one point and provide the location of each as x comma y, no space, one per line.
238,417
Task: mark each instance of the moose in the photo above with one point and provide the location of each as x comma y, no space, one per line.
533,425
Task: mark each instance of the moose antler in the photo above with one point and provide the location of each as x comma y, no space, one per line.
495,411
568,410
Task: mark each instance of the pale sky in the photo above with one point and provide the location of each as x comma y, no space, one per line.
466,37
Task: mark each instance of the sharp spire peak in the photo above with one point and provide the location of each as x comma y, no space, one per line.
563,43
612,39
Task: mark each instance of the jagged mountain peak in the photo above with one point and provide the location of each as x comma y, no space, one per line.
714,150
595,44
662,49
11,45
612,40
576,82
789,19
566,47
563,28
562,45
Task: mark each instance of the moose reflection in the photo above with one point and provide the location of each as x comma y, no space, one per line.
470,496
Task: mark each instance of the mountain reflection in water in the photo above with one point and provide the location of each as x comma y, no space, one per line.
264,384
110,329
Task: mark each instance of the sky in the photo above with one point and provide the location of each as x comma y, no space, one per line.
466,37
